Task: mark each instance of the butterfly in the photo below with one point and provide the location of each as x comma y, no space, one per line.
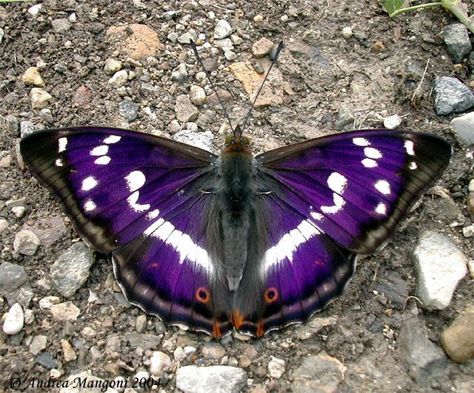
236,241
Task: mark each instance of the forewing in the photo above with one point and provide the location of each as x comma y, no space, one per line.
140,197
356,186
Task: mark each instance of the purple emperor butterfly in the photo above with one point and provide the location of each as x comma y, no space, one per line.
234,241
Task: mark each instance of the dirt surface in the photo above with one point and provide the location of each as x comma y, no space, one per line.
330,83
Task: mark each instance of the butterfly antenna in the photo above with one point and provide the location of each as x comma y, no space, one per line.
208,75
274,60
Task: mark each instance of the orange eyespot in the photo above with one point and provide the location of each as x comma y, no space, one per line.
203,295
271,295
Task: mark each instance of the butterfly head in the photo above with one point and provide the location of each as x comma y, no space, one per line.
235,142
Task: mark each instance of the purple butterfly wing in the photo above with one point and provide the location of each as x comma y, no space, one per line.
325,200
142,198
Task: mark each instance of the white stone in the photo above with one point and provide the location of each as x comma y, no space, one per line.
159,362
222,30
14,320
26,242
35,9
347,32
464,126
222,379
276,367
471,186
203,140
440,265
46,302
392,122
40,98
468,231
119,78
197,95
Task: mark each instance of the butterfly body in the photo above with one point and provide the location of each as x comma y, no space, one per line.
234,241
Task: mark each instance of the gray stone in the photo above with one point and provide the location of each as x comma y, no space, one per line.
38,344
173,37
222,30
12,123
188,37
144,341
395,288
71,270
439,265
421,357
61,25
213,351
26,242
140,323
222,379
185,110
456,39
451,96
203,140
180,73
26,128
46,360
14,321
11,277
262,47
49,229
230,55
319,373
313,326
129,110
464,127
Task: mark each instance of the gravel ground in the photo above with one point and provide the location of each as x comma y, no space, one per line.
345,65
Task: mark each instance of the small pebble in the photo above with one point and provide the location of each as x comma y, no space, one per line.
129,110
112,66
458,338
392,122
66,311
262,47
26,128
26,242
173,37
119,78
35,9
38,344
347,32
230,55
197,95
468,231
32,77
258,18
19,211
3,225
68,351
140,323
159,362
40,98
14,320
222,30
276,367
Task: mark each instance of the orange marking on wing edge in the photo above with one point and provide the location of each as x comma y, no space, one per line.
216,329
237,319
271,295
260,329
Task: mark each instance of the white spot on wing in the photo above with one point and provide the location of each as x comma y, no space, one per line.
288,244
101,150
181,242
62,144
409,148
337,182
372,152
381,208
133,203
135,180
382,186
104,160
369,163
339,202
360,141
153,214
89,183
58,162
112,139
412,165
317,216
89,206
